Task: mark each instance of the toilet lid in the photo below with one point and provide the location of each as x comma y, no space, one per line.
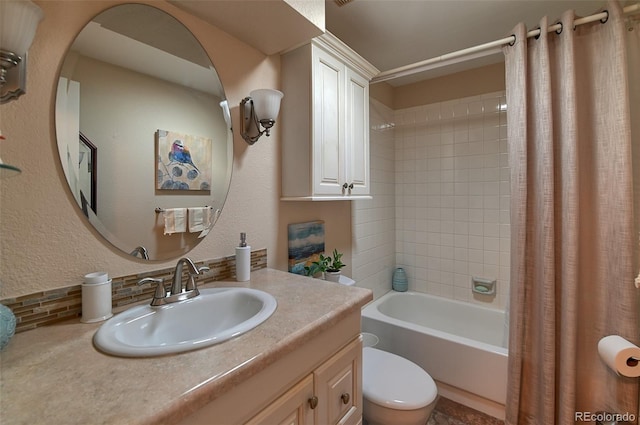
395,382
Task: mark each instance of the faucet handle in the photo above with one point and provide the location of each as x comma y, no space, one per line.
191,283
160,290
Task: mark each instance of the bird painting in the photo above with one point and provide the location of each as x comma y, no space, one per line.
177,155
180,153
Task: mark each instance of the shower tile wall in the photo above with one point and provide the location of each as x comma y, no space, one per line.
374,241
452,196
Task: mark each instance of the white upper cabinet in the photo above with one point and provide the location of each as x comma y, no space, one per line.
325,122
357,174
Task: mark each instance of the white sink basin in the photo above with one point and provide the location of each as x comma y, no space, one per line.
214,316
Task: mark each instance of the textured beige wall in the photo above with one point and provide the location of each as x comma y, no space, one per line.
455,86
383,93
45,242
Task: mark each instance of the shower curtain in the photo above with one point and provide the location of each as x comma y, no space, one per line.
572,241
633,50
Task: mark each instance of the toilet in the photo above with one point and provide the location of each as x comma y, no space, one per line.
395,390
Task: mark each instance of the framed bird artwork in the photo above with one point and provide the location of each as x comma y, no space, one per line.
183,161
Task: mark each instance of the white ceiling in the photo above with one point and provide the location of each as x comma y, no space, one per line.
394,33
149,41
388,33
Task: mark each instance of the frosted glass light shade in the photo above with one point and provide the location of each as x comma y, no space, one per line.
19,20
226,113
266,103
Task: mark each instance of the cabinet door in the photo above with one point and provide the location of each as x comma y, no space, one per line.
338,386
357,141
328,123
291,408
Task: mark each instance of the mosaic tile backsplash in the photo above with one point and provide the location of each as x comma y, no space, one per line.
47,307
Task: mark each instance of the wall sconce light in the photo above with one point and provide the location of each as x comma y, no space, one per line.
18,22
259,109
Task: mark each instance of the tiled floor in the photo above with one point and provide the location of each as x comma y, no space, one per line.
448,412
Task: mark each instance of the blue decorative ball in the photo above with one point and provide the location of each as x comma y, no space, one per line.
7,325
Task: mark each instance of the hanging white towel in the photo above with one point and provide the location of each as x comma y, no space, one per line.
211,217
199,219
175,220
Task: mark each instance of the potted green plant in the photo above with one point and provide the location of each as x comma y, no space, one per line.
333,265
329,266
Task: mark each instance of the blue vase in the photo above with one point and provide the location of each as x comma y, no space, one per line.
7,325
400,282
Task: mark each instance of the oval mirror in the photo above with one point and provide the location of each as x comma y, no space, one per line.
144,132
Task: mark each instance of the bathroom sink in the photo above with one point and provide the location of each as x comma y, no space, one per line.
216,315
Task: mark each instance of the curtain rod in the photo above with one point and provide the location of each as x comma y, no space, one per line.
482,50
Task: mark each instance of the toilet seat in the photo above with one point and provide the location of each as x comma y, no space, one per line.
395,382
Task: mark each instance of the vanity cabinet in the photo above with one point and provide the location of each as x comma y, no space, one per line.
332,394
319,382
293,407
325,122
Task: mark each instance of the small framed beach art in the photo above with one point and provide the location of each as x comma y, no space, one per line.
306,243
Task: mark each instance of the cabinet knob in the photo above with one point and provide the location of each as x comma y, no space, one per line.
345,398
313,402
346,186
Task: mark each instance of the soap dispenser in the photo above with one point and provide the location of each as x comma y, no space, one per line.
243,259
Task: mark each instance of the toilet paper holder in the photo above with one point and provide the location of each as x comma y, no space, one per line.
620,355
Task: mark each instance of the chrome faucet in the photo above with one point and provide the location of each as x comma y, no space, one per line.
176,287
162,297
144,254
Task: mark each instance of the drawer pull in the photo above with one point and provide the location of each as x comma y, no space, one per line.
313,402
345,398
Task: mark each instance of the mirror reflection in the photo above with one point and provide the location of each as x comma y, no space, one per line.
144,132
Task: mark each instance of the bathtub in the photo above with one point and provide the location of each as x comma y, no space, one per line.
461,345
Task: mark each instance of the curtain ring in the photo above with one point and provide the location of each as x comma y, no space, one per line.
604,20
539,34
559,31
513,42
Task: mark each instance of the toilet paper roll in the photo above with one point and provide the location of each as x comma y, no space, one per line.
620,355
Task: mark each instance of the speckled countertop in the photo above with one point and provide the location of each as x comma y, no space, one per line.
54,375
